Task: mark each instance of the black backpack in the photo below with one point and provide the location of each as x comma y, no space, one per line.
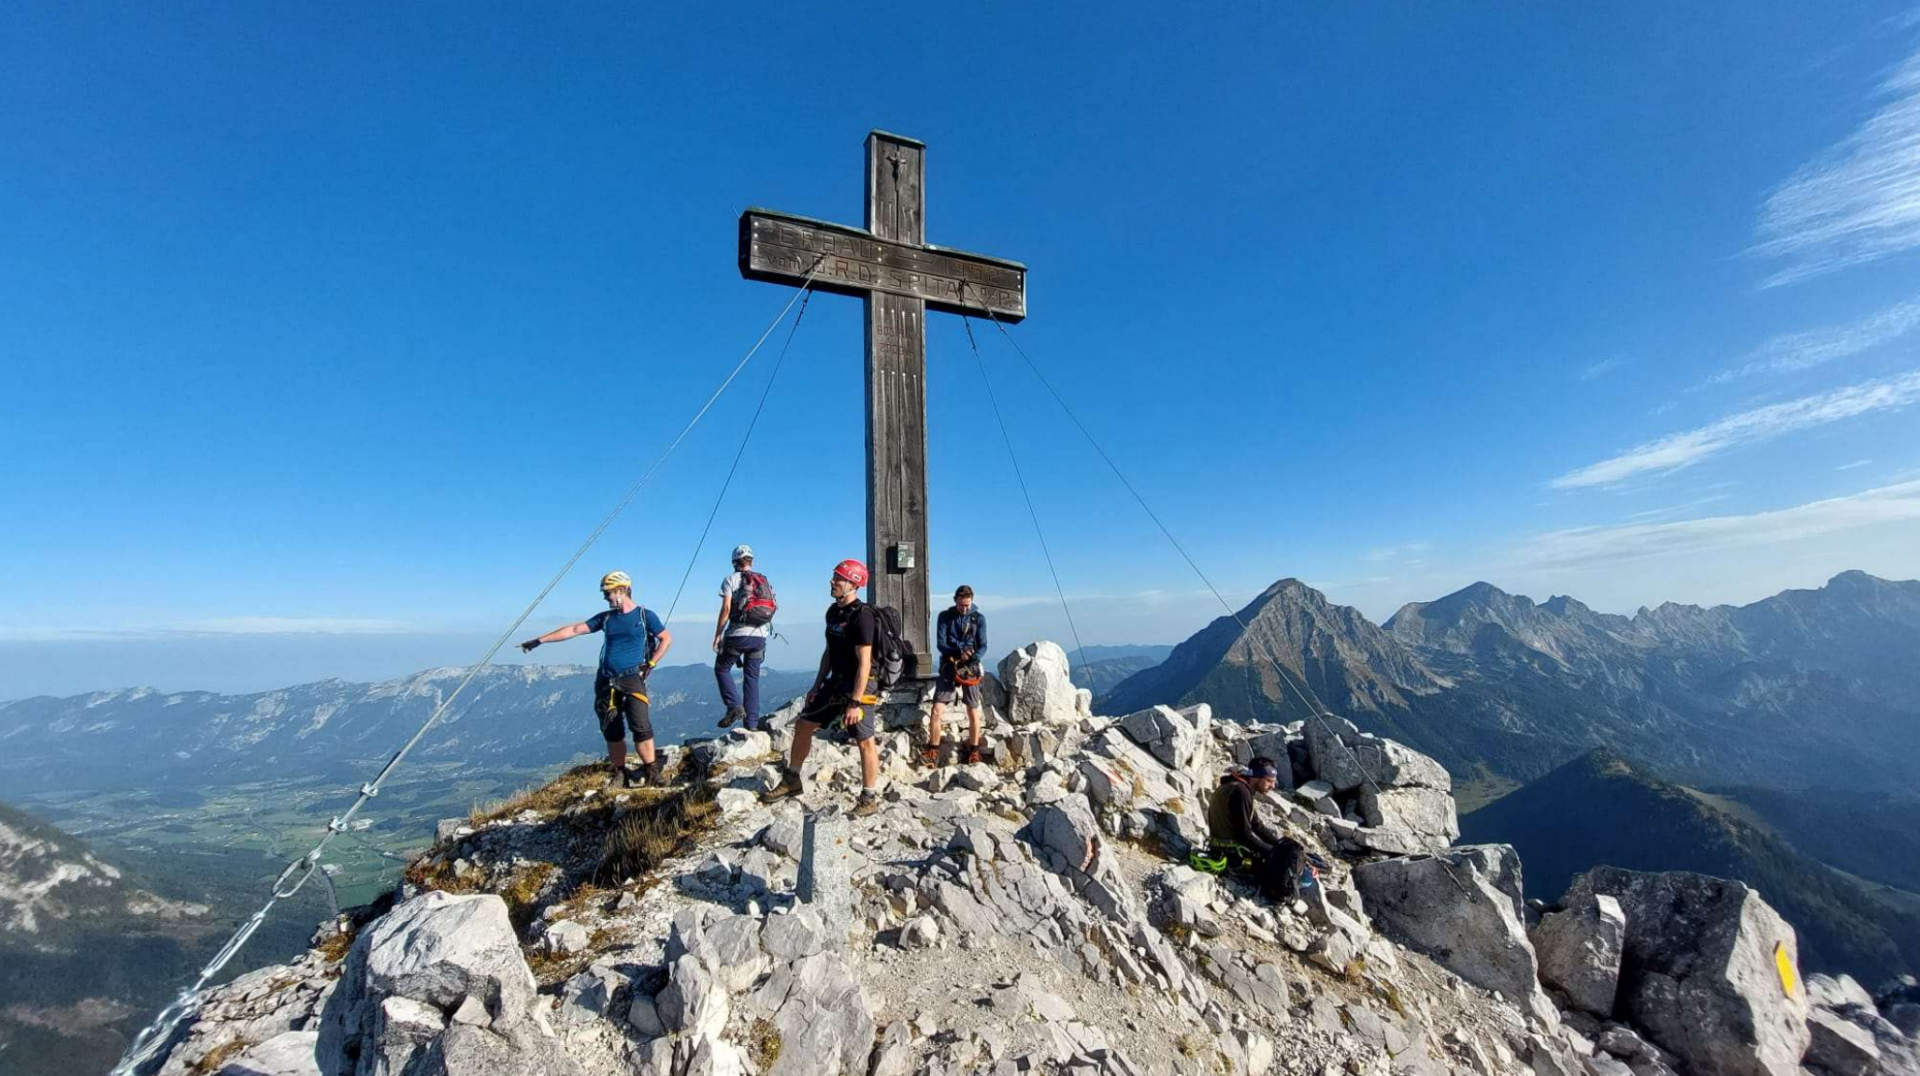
893,657
753,602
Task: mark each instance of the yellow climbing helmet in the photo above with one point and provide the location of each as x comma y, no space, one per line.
616,579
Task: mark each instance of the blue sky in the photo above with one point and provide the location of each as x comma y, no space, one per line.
326,333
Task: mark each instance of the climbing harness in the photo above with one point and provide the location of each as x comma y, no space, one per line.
296,874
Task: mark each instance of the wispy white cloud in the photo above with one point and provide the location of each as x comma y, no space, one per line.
1856,202
1851,466
1802,350
1678,509
1603,368
1679,450
1399,552
1587,546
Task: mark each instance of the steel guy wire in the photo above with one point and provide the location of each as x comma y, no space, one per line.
156,1033
748,436
1028,497
1313,710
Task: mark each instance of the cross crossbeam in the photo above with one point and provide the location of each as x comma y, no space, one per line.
901,276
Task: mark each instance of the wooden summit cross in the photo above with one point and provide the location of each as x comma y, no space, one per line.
900,275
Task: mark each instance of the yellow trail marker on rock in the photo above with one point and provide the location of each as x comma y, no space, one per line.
1783,963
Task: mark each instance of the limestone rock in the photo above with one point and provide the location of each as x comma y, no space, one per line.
1039,686
439,948
1177,738
567,936
1839,1046
1579,951
1698,972
290,1053
1427,813
1458,909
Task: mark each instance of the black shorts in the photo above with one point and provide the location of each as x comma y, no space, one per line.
830,709
623,698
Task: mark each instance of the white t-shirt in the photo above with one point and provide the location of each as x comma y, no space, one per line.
733,582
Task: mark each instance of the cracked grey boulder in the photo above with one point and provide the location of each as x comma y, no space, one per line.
1039,686
439,948
290,1053
1698,973
1462,909
1426,813
1579,950
825,1023
1177,738
1347,759
1841,1047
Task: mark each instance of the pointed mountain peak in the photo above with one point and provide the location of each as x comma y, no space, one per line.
1564,606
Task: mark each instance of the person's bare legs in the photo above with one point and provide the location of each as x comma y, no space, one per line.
644,748
869,762
973,726
617,753
934,724
802,744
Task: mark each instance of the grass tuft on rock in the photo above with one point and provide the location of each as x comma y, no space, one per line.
644,836
763,1044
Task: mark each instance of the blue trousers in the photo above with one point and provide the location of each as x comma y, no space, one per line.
746,651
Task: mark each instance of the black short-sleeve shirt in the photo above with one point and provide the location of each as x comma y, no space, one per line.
848,626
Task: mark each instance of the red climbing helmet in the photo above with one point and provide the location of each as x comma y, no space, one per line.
852,571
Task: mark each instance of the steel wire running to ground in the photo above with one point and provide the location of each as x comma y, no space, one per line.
1314,710
156,1034
1028,497
744,438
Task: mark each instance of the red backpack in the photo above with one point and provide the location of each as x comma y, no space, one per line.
753,602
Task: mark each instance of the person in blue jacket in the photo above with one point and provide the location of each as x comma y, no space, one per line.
634,642
961,637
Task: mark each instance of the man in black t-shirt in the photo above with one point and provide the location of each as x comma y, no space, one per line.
843,689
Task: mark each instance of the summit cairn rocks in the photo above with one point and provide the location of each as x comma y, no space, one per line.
1698,972
1039,686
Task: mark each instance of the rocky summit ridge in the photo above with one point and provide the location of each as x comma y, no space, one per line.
1031,914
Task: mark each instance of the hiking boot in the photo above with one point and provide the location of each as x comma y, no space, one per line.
973,753
930,755
868,805
653,774
789,786
734,713
755,724
629,778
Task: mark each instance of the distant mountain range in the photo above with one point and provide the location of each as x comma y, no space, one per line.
1602,809
517,717
1809,688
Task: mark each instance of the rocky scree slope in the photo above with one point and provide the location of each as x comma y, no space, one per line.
1033,914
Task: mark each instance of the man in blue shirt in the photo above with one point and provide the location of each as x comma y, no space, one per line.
961,636
634,641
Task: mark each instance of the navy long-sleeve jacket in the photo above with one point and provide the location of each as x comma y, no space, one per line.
957,631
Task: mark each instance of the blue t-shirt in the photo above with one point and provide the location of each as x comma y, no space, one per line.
629,639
